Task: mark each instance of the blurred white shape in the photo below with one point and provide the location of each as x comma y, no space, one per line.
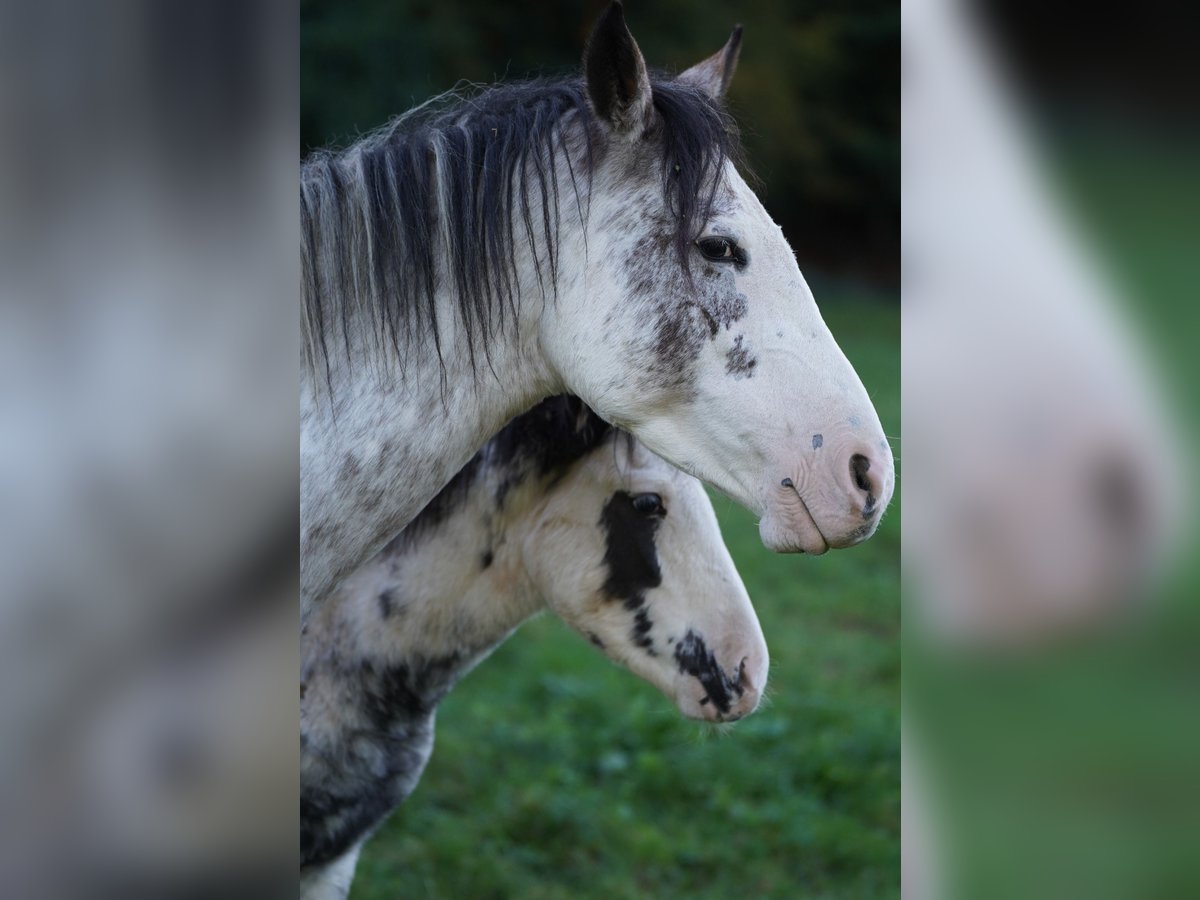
921,869
1042,482
148,456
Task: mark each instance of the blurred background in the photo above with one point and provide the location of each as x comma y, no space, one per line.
555,774
816,92
1051,211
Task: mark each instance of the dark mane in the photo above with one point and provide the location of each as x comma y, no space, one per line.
439,189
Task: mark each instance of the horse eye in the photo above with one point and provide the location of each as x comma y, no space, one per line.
649,505
720,249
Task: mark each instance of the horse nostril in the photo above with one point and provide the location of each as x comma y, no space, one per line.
859,466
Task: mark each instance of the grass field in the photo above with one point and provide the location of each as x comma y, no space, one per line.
558,775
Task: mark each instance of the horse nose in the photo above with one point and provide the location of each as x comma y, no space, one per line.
866,486
745,694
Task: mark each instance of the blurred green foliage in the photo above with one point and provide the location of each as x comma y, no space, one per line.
816,93
558,775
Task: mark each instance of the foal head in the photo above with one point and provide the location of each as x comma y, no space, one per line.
626,549
690,324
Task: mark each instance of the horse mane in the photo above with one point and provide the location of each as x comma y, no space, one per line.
439,188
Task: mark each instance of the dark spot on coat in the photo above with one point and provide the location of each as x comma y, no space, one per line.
630,555
695,659
594,638
684,310
678,337
727,310
388,749
738,361
632,562
641,631
543,441
387,605
818,440
350,468
487,559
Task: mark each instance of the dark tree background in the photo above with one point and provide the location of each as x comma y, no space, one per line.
816,93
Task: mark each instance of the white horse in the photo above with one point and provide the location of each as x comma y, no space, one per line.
588,236
559,511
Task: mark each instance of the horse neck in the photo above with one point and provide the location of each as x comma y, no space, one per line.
377,450
445,592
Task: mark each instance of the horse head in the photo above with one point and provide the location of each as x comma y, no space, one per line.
626,549
689,323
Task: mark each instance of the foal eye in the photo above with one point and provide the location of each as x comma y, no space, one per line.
721,249
649,505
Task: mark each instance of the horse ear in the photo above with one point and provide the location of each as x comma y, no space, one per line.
714,74
617,83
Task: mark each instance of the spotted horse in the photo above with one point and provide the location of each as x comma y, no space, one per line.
559,511
586,235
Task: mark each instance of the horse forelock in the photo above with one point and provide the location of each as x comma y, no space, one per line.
445,196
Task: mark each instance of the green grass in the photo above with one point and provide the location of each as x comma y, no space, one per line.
558,775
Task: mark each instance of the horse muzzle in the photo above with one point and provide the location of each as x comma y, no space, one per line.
720,692
829,497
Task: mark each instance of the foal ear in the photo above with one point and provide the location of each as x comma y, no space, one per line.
714,74
617,83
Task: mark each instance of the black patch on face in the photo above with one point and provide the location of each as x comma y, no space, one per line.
632,562
641,631
695,659
727,309
686,311
679,335
488,558
630,555
738,361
